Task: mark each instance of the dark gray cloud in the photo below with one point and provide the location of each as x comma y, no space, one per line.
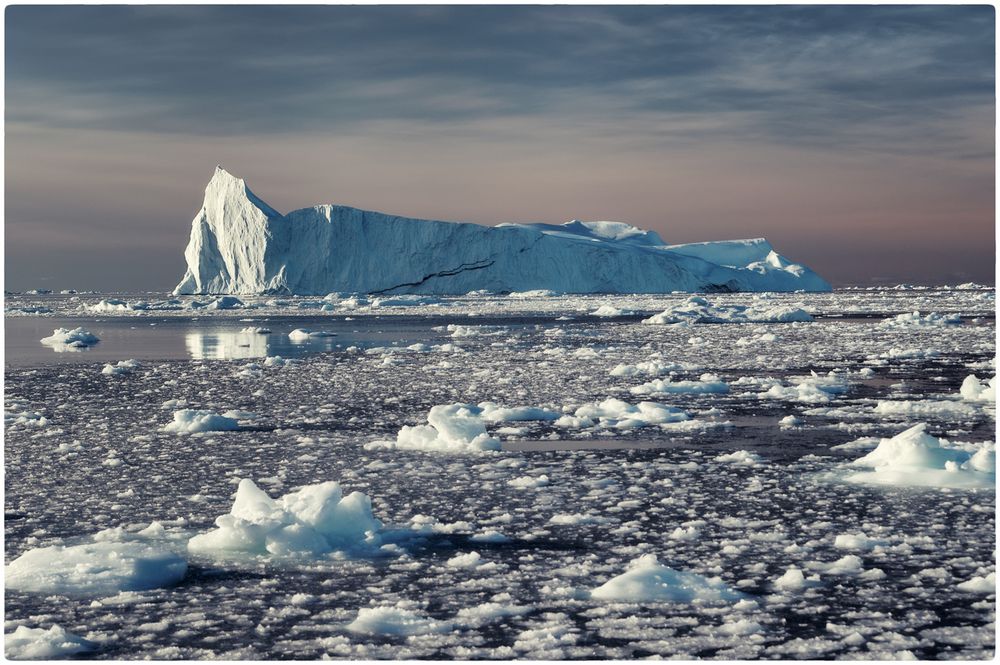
643,87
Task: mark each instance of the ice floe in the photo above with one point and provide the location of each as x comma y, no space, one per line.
915,319
450,428
648,581
189,421
120,368
64,339
94,569
914,457
699,310
707,383
615,413
313,520
53,643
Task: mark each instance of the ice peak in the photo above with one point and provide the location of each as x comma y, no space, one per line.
224,186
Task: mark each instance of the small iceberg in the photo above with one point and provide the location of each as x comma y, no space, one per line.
648,581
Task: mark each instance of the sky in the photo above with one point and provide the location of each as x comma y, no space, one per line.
858,139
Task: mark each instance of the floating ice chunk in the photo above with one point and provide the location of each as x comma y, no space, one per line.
94,569
794,580
685,533
187,421
813,389
575,519
314,520
914,457
304,334
529,482
467,560
609,311
114,305
708,383
789,421
493,413
910,319
857,541
395,620
64,339
849,564
405,301
979,584
974,390
699,310
120,368
743,457
621,415
256,330
651,367
926,408
452,428
54,643
648,581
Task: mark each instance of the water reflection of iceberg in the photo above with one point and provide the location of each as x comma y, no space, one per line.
223,345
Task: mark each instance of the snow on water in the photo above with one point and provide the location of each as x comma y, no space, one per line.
94,569
504,548
53,643
648,581
313,520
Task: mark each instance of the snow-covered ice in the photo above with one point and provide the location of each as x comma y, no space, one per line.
649,581
65,339
313,520
189,421
94,569
914,457
53,643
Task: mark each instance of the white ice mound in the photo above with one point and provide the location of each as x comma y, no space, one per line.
617,414
707,383
916,458
64,339
451,428
94,569
314,520
121,368
187,421
914,319
648,581
699,310
239,244
974,390
395,620
54,643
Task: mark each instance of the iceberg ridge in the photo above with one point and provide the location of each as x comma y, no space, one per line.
241,245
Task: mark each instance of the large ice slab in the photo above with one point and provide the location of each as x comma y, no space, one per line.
241,245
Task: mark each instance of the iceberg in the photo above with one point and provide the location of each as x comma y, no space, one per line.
241,245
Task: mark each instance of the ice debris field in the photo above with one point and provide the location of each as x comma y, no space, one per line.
530,475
